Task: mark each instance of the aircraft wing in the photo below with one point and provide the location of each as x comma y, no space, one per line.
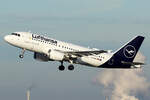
84,53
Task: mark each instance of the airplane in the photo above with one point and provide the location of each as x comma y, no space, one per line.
48,49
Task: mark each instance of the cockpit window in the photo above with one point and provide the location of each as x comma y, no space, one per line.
15,34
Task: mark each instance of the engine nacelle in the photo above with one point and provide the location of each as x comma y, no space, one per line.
41,57
55,55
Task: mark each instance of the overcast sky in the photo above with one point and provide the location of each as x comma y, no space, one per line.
103,24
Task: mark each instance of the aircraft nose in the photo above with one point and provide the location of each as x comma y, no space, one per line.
6,38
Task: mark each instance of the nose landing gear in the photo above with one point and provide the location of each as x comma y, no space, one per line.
21,56
22,53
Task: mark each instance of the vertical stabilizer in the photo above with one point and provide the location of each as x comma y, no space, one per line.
128,52
124,56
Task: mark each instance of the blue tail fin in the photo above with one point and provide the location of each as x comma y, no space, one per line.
124,56
128,52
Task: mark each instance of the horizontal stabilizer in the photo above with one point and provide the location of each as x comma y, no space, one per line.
132,63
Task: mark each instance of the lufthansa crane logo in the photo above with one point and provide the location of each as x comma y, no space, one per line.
129,51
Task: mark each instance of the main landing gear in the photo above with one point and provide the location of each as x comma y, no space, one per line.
22,53
71,67
62,68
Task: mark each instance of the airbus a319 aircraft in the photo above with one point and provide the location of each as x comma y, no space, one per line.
48,49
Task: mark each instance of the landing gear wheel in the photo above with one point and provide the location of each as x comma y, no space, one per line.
71,67
61,68
21,56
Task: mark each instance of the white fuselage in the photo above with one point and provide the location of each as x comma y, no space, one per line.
41,44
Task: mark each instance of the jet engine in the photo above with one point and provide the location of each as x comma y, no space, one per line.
55,55
41,57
